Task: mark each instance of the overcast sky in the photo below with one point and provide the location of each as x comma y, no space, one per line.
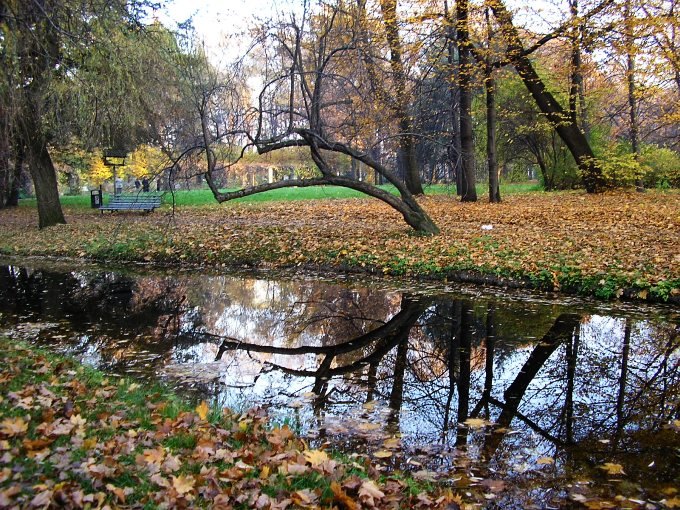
213,19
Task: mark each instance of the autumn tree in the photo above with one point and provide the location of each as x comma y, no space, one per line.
465,83
568,130
314,98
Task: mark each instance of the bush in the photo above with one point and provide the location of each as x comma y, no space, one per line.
663,167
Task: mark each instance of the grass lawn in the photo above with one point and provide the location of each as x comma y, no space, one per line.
204,197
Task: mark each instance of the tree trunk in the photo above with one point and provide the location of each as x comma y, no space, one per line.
569,132
465,84
490,84
5,177
455,149
19,159
494,187
45,181
577,103
548,179
465,371
630,78
407,143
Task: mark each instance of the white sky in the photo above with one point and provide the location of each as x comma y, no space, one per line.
215,19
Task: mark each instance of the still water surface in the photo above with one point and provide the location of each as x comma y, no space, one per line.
463,383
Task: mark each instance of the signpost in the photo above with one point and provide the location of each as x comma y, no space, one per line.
115,158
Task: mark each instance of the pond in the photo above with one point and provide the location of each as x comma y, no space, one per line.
539,399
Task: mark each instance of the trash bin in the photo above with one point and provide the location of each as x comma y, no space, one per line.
96,198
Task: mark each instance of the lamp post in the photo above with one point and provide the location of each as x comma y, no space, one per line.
115,158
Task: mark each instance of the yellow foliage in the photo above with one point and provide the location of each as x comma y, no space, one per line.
99,172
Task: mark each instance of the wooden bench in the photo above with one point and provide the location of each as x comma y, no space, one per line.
146,202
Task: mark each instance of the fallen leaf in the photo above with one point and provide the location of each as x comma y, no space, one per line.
476,423
367,427
316,457
494,485
369,493
202,410
392,443
13,427
612,469
382,454
341,497
42,499
183,484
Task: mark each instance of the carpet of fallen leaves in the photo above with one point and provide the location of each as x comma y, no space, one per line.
608,245
73,438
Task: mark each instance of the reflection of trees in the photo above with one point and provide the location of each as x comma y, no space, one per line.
289,313
113,315
368,349
561,331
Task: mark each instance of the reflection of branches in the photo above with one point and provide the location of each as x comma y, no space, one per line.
412,308
352,314
562,330
530,423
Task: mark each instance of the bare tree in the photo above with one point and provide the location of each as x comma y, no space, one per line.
314,97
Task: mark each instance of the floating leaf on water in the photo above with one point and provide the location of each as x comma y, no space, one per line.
369,406
382,454
476,423
612,468
424,475
392,443
367,426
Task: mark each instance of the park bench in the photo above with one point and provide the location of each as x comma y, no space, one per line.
146,202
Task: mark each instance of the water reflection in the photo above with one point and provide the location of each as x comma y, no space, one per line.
460,381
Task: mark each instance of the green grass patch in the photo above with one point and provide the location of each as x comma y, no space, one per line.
204,197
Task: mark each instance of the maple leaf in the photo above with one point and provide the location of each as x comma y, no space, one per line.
369,493
183,484
154,456
202,410
672,503
13,427
171,464
316,457
116,491
60,428
295,468
77,420
42,499
304,497
160,481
